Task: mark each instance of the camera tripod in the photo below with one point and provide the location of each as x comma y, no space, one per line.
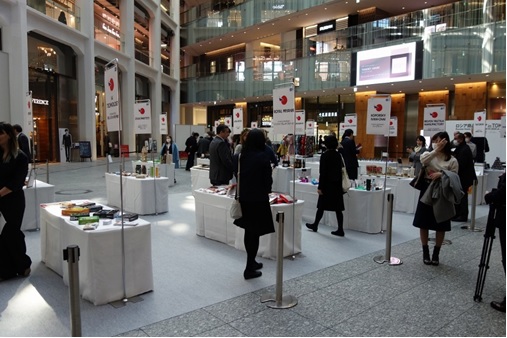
489,236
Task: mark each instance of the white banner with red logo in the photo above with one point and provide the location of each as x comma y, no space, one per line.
300,122
28,125
393,126
142,117
283,110
217,123
237,120
434,119
350,122
310,128
163,124
111,86
228,122
378,114
253,125
479,124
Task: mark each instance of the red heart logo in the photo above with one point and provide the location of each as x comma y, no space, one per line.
163,119
310,125
28,104
390,123
142,111
111,84
378,107
283,100
299,118
434,114
479,118
350,121
237,115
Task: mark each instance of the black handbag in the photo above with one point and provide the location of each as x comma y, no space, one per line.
418,182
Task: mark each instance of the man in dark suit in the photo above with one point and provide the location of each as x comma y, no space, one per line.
466,173
220,156
349,153
23,142
191,148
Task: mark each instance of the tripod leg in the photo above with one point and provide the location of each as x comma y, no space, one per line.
483,267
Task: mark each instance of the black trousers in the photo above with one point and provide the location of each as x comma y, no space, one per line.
67,153
190,161
13,257
462,207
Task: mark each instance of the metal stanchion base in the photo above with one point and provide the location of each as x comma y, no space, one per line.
468,227
393,261
287,302
121,303
445,242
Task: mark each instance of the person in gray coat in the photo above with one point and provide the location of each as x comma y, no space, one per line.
220,156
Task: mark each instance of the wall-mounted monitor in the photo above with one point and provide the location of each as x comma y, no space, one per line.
388,64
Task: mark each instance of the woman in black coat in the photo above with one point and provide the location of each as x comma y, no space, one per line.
350,152
330,186
13,169
255,182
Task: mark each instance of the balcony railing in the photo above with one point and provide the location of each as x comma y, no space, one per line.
68,14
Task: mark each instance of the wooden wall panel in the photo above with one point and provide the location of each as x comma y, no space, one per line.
468,99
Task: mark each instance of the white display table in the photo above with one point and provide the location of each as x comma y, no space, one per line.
164,170
214,222
282,176
204,161
363,209
41,192
405,196
199,177
142,196
100,262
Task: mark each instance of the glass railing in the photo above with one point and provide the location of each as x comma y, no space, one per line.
143,56
447,53
165,69
67,13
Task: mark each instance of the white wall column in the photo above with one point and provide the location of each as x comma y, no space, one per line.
175,71
156,87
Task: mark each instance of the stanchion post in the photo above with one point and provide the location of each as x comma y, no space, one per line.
388,258
281,301
71,255
472,227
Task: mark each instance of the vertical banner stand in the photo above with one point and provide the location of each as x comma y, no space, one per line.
388,258
125,300
281,301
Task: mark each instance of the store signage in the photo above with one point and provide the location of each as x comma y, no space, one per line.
112,106
163,124
300,122
480,124
41,102
379,113
283,110
328,114
266,121
434,119
350,122
237,120
29,114
110,30
111,20
327,26
142,117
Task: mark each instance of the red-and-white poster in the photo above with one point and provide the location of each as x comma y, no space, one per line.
350,122
300,122
378,115
28,127
479,124
393,126
434,119
253,125
228,122
163,124
112,105
237,120
142,117
283,110
310,128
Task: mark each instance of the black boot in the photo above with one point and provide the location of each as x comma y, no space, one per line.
249,274
434,257
426,255
339,232
499,306
313,227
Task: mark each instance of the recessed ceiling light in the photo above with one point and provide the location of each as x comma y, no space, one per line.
452,79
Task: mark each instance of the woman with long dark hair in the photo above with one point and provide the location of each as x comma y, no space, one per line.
330,186
349,152
436,160
416,152
13,170
255,182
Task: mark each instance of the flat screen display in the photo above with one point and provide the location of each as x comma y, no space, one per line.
387,64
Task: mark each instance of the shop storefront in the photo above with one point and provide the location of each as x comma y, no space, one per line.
52,81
